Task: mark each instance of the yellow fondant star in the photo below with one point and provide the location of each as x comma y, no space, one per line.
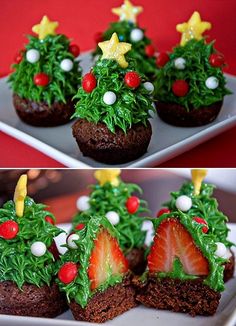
197,177
45,28
115,50
108,175
20,194
127,11
193,29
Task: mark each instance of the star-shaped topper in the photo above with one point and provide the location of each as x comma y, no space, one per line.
108,175
45,28
127,11
20,194
197,177
193,29
115,50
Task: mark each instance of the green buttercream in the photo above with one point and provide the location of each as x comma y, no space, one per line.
110,198
197,70
131,107
17,263
145,65
79,290
63,85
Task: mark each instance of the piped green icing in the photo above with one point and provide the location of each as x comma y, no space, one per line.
144,64
197,70
62,86
113,198
79,289
17,263
132,106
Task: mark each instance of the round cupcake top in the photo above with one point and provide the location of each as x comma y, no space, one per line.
27,246
46,70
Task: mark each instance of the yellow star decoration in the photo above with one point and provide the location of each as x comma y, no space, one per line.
20,194
197,177
127,11
115,50
45,28
108,175
193,29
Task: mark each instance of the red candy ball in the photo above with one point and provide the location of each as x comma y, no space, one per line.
68,272
9,230
216,60
54,251
201,221
41,79
132,204
180,87
149,50
18,58
74,49
50,220
98,37
89,82
132,79
162,59
80,226
163,211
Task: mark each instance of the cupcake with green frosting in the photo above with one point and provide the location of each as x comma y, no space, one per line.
115,199
94,272
28,257
186,262
113,107
190,86
45,77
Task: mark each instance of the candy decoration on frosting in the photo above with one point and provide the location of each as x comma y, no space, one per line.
74,49
132,79
113,217
71,240
127,11
45,28
217,60
212,82
9,230
132,204
136,35
221,250
162,59
180,63
163,211
180,88
80,226
38,248
66,64
68,272
83,203
20,194
200,220
183,203
149,87
41,79
149,50
50,220
32,55
109,98
89,82
108,175
198,176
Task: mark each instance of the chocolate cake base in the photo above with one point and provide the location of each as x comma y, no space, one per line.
98,142
177,115
136,260
106,305
41,114
190,296
229,268
31,301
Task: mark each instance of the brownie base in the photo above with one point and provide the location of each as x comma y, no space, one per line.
190,296
176,114
41,114
229,268
31,301
98,142
136,260
106,305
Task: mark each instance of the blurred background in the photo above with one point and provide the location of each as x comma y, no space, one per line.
59,189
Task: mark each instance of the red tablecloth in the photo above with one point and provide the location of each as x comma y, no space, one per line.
81,19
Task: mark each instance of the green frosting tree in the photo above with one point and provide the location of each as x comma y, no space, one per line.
46,70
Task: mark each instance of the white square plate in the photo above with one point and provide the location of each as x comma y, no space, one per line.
167,141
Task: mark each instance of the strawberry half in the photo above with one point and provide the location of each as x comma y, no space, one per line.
106,259
171,241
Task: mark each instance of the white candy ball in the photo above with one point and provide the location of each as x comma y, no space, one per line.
38,248
221,250
32,55
183,203
148,86
83,203
212,82
70,241
109,98
180,63
113,217
136,35
66,64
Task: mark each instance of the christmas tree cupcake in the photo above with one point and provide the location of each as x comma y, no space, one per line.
45,77
187,259
113,108
190,86
114,199
129,31
27,258
94,273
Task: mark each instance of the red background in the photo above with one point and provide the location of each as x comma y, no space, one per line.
81,19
